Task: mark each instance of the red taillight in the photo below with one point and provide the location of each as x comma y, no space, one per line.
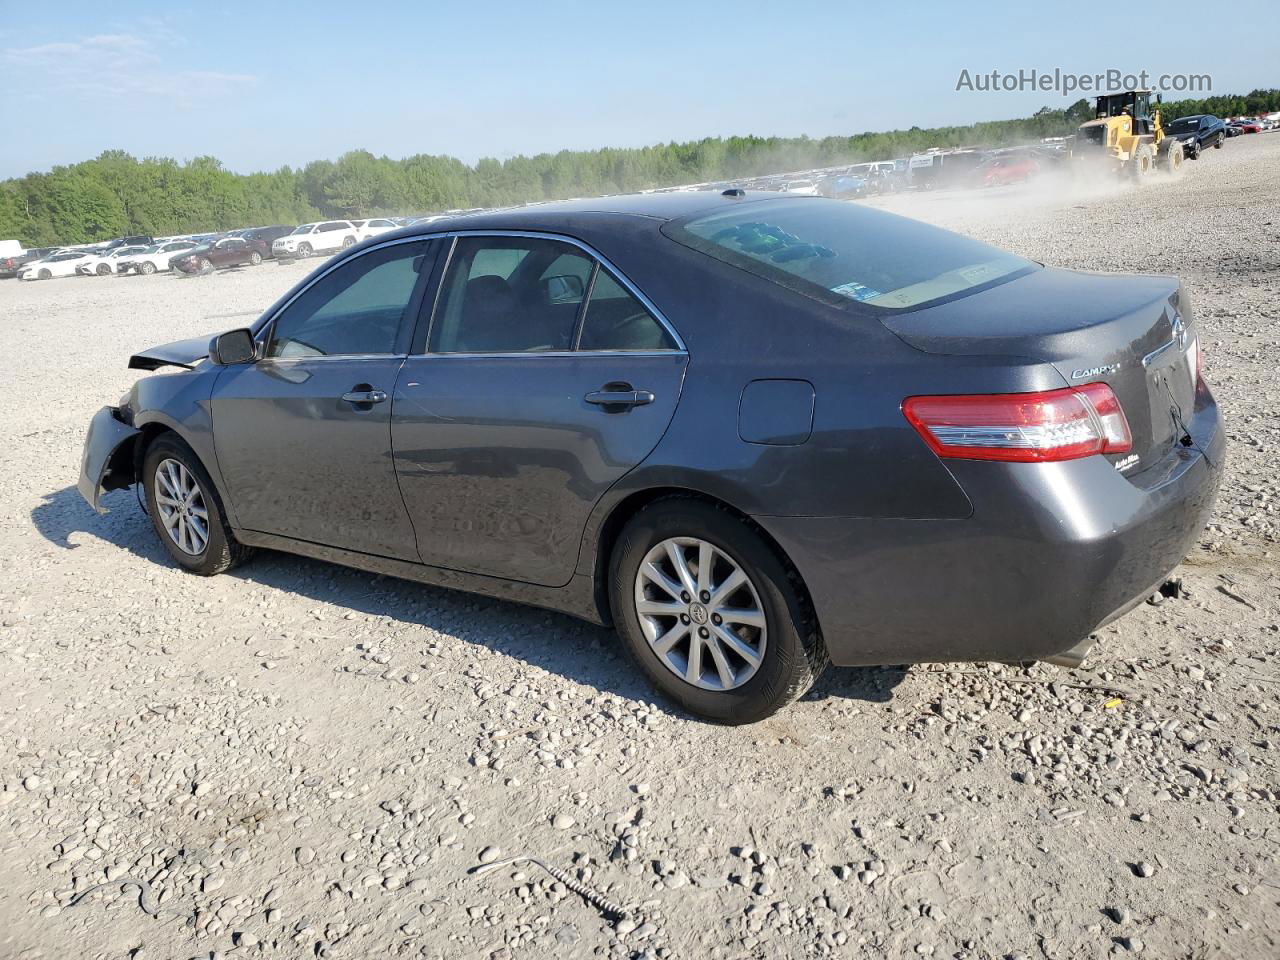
1050,425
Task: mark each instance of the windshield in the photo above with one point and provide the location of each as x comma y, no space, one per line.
1185,124
840,252
305,228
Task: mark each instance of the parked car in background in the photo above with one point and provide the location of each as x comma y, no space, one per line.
136,241
263,237
800,187
844,187
1003,169
491,403
323,237
1197,133
227,252
11,264
154,258
1247,126
371,228
62,264
105,264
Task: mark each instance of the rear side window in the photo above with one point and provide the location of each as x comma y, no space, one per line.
617,320
510,295
842,252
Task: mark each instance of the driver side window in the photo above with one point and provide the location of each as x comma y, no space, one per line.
357,309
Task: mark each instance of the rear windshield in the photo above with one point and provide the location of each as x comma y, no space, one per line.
841,252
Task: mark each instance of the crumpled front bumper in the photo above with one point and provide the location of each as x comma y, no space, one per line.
107,461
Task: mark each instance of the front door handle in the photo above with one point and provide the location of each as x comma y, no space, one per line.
364,396
619,398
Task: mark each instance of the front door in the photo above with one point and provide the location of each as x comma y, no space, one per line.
303,435
545,380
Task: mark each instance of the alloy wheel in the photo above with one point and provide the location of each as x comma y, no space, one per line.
700,613
181,506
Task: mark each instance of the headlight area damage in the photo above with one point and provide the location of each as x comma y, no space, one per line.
107,463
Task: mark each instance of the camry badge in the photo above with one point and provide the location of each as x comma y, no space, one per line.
1099,371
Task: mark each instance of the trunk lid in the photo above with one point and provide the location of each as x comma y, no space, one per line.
1131,332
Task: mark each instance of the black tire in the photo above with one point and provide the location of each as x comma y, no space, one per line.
147,268
255,258
221,551
1217,144
348,242
1194,153
44,275
102,270
794,655
304,250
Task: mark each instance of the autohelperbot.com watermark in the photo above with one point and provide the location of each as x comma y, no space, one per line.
1065,82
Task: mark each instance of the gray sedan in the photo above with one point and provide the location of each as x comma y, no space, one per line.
757,434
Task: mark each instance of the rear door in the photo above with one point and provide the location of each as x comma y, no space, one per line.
303,435
545,379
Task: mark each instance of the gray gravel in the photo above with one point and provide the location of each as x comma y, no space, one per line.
301,760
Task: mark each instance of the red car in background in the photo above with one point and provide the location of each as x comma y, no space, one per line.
1004,169
1247,126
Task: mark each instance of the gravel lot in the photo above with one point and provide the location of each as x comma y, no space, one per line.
303,760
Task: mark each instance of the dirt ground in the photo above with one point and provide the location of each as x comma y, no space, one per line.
301,760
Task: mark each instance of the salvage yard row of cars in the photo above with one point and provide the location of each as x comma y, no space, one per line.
932,169
196,253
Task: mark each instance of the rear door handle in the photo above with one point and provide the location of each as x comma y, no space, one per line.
364,396
619,398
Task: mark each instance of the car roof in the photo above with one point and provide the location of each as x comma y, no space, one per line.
660,207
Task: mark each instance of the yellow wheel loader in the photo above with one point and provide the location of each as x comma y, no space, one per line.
1126,136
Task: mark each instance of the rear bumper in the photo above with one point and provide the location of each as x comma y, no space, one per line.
1051,552
107,460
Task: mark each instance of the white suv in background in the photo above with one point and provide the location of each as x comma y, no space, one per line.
154,258
371,228
320,237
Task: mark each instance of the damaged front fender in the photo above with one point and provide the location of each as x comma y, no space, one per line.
107,462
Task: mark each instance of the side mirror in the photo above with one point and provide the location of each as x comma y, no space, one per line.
234,346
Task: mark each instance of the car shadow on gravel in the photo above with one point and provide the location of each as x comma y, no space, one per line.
64,513
550,641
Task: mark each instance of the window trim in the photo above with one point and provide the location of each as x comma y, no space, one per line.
262,335
417,350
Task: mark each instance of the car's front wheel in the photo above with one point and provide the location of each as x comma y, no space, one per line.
147,268
711,613
255,258
185,509
45,275
304,250
102,270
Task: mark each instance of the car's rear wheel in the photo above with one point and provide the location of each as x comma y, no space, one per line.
255,258
147,268
186,511
304,250
711,613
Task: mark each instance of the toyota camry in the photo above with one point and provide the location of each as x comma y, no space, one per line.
756,433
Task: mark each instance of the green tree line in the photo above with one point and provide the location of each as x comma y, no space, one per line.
116,194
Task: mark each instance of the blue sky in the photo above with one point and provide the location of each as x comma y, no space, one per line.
292,82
